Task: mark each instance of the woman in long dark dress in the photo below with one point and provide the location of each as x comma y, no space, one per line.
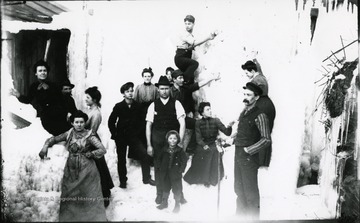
204,165
81,188
92,100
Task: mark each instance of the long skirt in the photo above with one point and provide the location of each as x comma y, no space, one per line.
205,166
106,180
81,197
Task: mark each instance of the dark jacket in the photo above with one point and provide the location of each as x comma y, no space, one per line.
174,161
124,121
265,104
47,102
249,134
69,104
184,95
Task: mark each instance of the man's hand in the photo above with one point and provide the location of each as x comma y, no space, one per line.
216,76
150,150
231,123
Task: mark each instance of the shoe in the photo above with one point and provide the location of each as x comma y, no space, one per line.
158,199
183,200
150,181
176,208
163,205
207,185
123,185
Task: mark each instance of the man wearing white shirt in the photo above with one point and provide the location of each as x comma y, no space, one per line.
185,46
163,115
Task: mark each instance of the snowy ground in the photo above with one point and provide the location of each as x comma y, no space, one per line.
32,188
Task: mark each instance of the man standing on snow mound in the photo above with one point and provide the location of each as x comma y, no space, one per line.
253,136
163,115
185,46
264,103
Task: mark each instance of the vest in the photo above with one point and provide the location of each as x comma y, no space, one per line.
165,115
247,132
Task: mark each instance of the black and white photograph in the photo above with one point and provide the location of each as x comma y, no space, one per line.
180,111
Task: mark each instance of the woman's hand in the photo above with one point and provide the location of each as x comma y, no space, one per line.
206,147
43,153
89,155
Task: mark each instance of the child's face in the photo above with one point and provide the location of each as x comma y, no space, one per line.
172,140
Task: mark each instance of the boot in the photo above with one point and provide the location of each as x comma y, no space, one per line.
182,199
158,199
177,207
163,205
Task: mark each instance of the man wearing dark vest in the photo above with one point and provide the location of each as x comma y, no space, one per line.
253,136
163,115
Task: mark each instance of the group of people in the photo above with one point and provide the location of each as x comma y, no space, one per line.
157,124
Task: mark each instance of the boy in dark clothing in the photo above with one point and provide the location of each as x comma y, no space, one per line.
172,164
124,124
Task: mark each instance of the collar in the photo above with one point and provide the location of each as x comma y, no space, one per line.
164,101
147,84
174,89
249,108
43,85
173,150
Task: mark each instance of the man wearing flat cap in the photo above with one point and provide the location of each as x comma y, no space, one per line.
253,136
185,46
163,115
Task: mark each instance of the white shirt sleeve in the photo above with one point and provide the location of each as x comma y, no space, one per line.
150,113
179,109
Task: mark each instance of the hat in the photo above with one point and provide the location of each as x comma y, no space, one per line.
126,87
254,88
189,18
67,83
177,73
163,80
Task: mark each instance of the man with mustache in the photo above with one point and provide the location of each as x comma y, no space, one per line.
264,102
253,136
